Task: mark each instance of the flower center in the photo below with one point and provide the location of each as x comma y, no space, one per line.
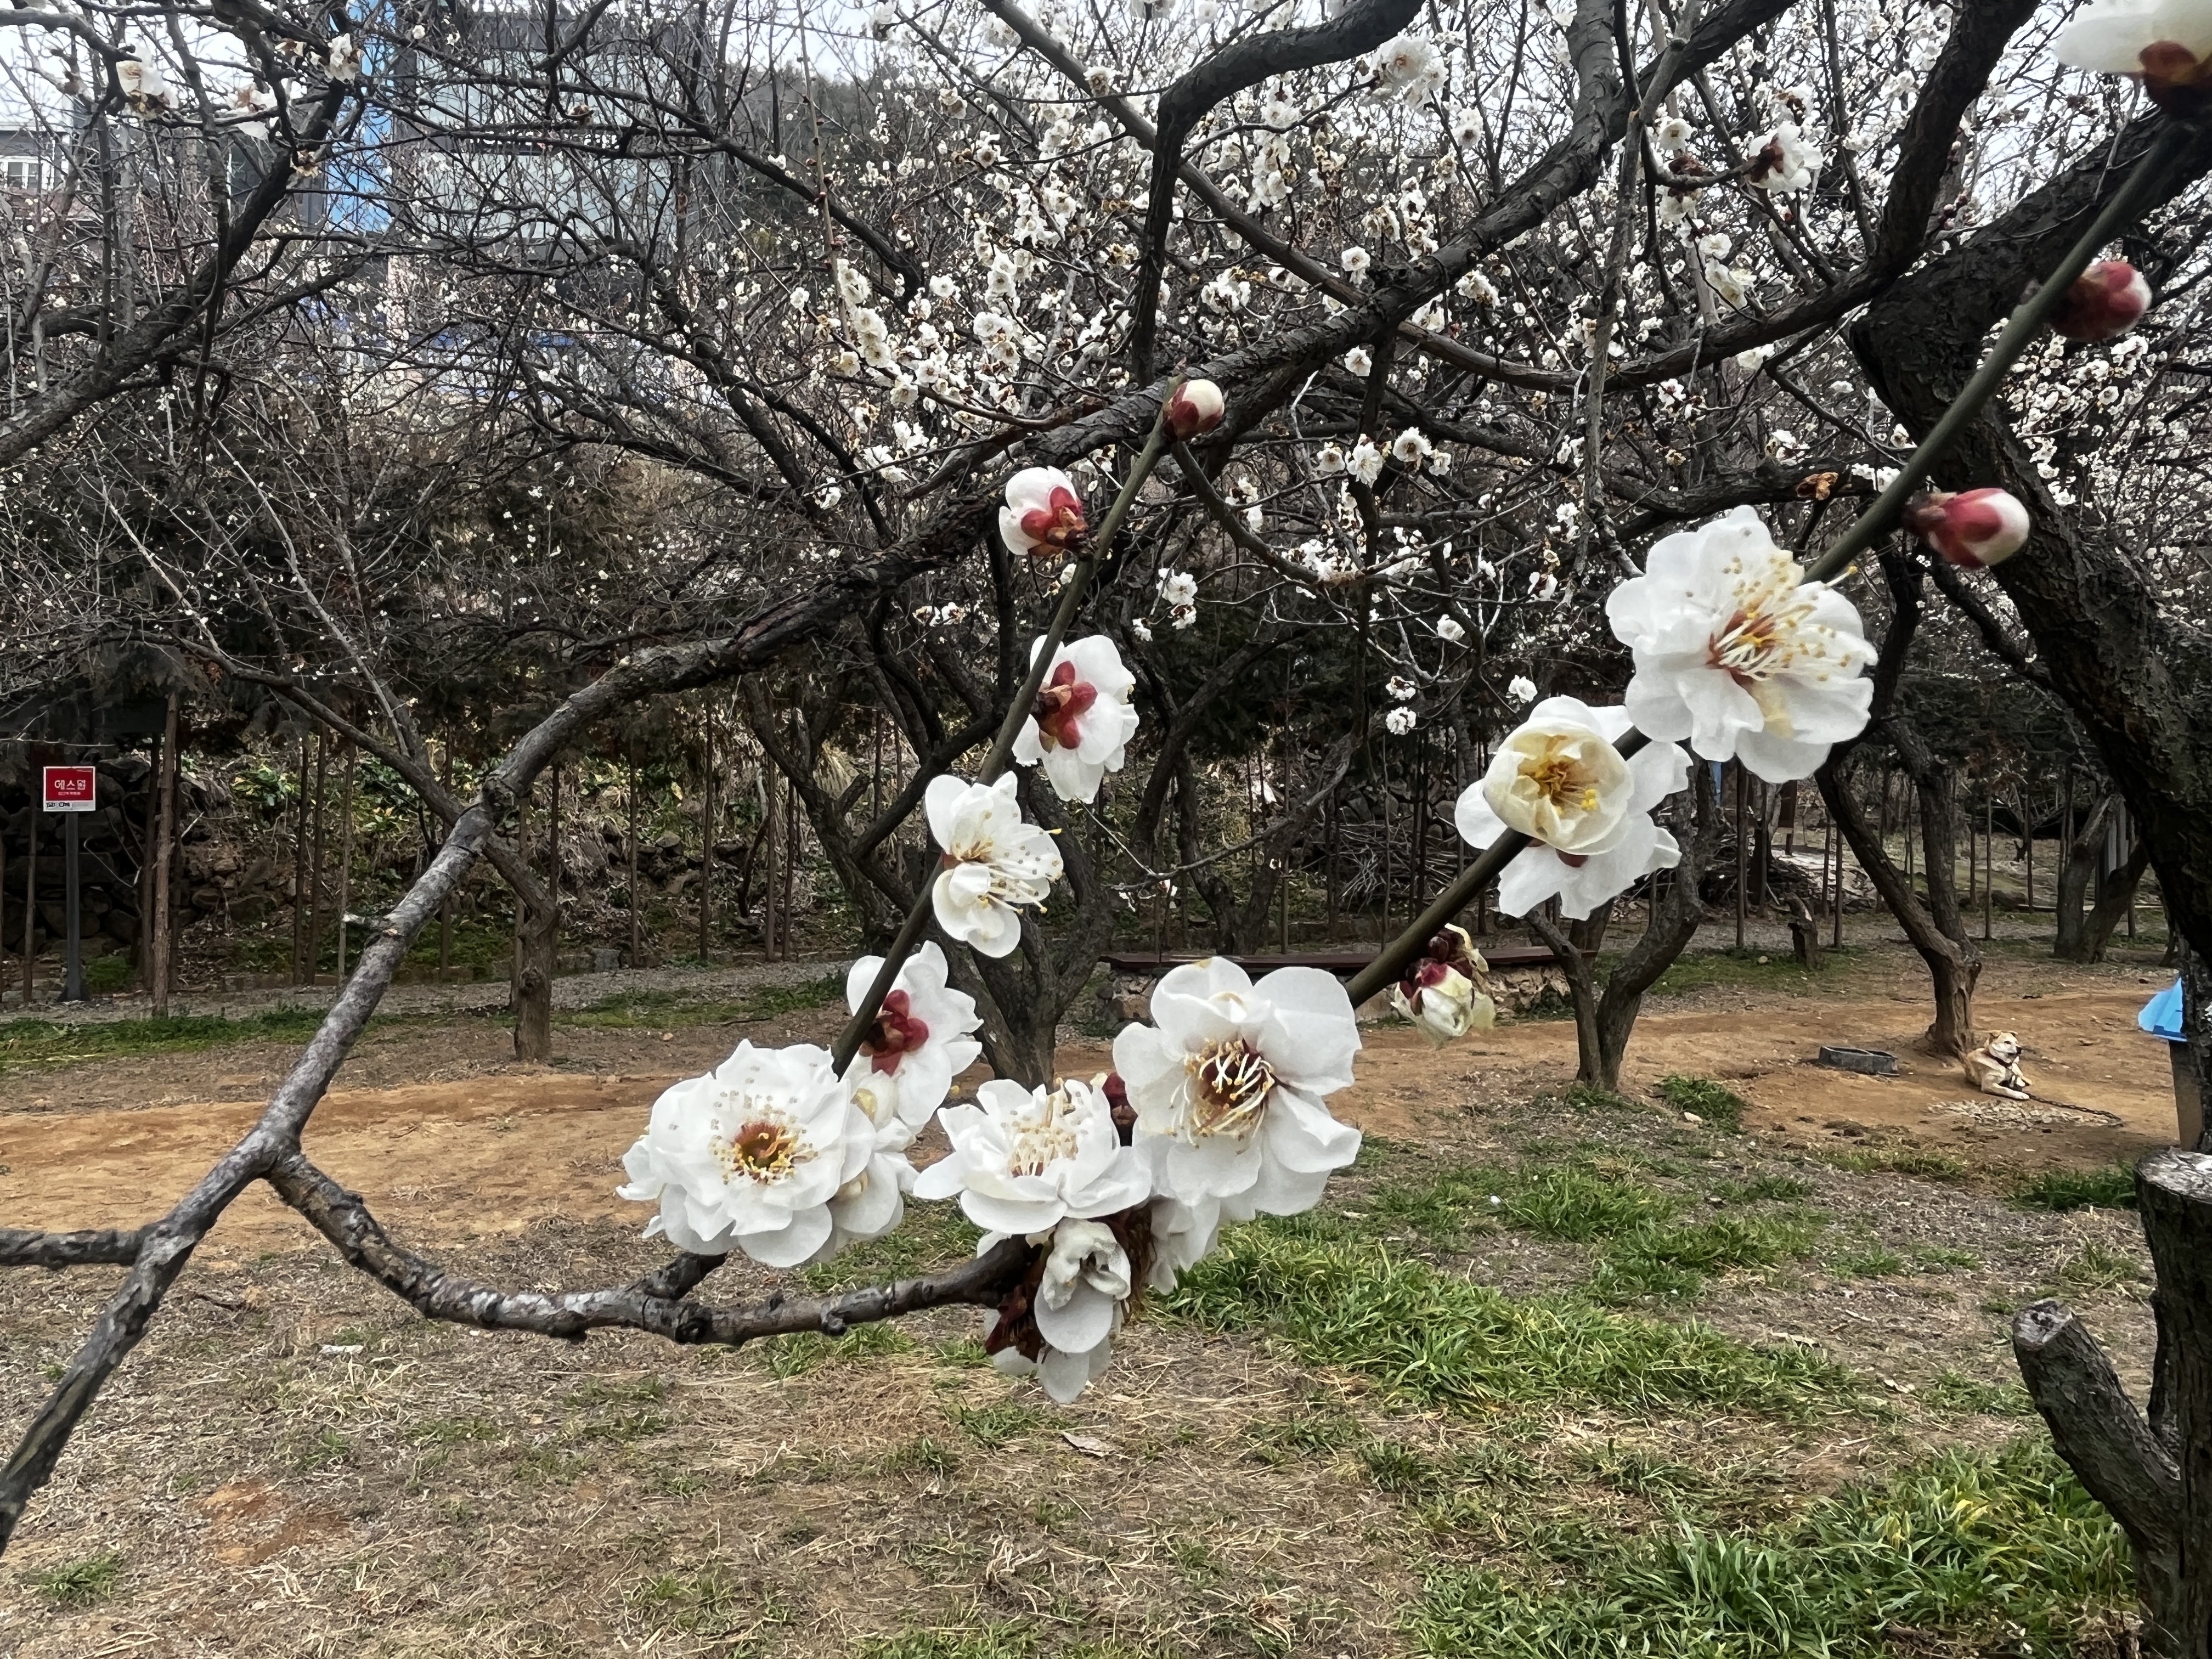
764,1148
1060,701
1044,1140
1231,1080
1561,777
1058,523
895,1033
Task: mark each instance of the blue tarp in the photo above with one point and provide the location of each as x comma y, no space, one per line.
2161,1015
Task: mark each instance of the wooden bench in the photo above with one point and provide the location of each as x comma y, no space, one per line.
1344,962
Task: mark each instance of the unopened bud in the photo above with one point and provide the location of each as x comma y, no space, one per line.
1441,1002
1197,406
1976,528
2107,299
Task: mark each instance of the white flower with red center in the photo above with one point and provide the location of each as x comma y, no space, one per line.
1736,652
1781,161
1082,722
1409,67
2167,44
1024,1160
1228,1085
919,1041
1976,528
994,865
1044,516
2107,301
1077,1308
1559,779
755,1157
1442,992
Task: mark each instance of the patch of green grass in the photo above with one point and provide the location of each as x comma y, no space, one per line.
1943,1259
1401,1471
1587,1097
932,1236
999,1423
1867,1260
1955,1392
1310,1434
1676,1258
669,1010
34,1044
2097,1266
1432,1339
995,1641
78,1583
1578,1204
1763,1189
104,976
1720,1108
2112,1188
1901,1160
1694,970
699,1603
923,1454
797,1354
1969,1552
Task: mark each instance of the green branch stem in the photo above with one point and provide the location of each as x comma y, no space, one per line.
1087,566
2025,327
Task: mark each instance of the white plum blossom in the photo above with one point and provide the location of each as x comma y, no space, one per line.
1228,1086
1078,1308
2166,43
1024,1160
1044,514
1559,779
1450,631
1328,460
1082,721
1355,262
918,1041
1411,448
1520,688
996,864
1467,126
754,1155
1672,134
1178,588
1400,721
1737,653
1366,462
1782,161
1357,362
1409,67
1401,689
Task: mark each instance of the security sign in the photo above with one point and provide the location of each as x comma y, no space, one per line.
71,789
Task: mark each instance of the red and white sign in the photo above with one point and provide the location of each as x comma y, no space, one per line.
71,789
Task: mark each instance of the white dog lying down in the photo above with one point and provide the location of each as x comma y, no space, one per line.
1994,1069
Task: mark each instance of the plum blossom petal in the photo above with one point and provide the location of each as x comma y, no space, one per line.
1729,641
1083,719
1227,1086
753,1156
1024,1160
1550,776
1043,515
996,864
921,1039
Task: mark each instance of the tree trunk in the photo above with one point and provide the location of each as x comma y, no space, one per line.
345,854
534,943
2078,864
2119,899
165,837
2153,1474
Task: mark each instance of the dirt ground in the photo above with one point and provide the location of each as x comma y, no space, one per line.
295,1464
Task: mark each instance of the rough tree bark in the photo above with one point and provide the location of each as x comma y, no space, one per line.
1605,1017
2154,1473
1936,926
2085,930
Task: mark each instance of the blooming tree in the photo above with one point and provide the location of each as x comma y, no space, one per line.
903,359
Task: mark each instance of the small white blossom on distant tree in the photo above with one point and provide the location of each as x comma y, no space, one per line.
1520,688
1449,630
1736,652
995,863
1083,719
1400,721
1559,779
1366,462
1409,67
1781,161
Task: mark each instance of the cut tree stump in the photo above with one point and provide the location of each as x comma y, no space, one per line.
2155,1473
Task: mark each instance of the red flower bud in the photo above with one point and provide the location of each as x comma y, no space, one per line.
2107,301
1976,528
1197,406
